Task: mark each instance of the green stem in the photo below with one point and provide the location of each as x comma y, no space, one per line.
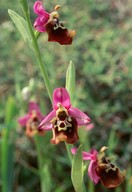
40,163
90,186
48,87
38,56
68,147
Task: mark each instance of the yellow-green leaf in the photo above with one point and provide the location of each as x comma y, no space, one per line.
77,171
22,26
70,80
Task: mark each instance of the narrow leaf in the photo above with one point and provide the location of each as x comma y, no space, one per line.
77,171
10,110
70,86
70,80
46,182
7,146
22,26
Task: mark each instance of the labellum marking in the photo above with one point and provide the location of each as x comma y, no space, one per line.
63,122
58,24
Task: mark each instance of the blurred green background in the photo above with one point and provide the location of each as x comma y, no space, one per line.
102,54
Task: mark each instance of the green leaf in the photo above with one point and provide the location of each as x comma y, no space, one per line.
70,80
46,182
112,141
22,26
10,110
68,147
77,171
7,146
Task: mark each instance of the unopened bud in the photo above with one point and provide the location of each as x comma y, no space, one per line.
26,93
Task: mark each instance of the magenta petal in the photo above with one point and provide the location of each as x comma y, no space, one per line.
92,172
39,28
61,96
86,155
39,24
23,120
46,124
38,9
92,155
82,118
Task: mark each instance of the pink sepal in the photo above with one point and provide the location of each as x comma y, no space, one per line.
61,96
82,118
92,172
34,107
39,9
45,124
42,18
39,24
23,120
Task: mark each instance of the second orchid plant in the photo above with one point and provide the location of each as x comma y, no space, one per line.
64,119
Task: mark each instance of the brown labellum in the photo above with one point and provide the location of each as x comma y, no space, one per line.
110,175
32,125
64,128
57,32
61,35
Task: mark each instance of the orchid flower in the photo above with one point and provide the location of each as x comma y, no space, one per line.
49,22
101,169
32,119
63,119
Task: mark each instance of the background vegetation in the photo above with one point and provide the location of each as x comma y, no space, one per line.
102,55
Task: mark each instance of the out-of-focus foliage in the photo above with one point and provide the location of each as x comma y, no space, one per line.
102,54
